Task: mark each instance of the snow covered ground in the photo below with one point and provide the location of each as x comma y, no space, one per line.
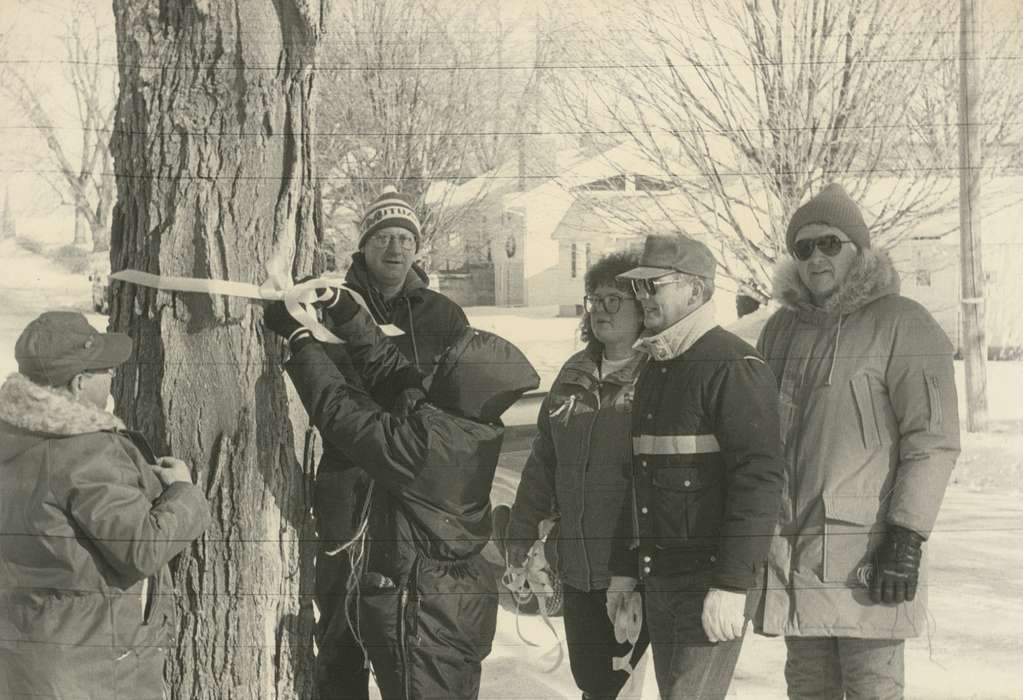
975,640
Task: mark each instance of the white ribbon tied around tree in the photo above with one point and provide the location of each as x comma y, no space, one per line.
298,298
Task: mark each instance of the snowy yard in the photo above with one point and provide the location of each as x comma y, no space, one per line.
975,640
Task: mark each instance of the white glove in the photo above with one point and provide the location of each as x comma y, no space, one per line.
724,615
617,593
629,619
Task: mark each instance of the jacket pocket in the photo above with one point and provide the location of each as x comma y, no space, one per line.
690,504
851,532
934,420
865,408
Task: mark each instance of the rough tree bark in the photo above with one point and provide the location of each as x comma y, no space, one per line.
214,166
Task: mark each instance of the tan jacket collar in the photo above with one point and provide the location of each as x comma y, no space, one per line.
676,339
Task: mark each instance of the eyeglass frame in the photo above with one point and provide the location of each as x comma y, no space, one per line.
833,242
647,288
109,371
382,240
589,300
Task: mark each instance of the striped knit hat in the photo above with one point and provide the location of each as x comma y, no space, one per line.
390,208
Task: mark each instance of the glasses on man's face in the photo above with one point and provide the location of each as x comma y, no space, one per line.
830,245
646,288
381,241
110,372
612,303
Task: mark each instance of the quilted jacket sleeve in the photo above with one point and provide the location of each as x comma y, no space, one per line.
745,414
388,449
103,492
921,388
535,493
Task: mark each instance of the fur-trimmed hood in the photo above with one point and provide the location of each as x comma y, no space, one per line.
870,277
40,412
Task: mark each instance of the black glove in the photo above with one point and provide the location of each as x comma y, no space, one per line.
896,566
280,321
406,400
325,296
340,307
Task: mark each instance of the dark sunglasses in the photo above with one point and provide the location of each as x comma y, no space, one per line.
830,245
646,288
612,303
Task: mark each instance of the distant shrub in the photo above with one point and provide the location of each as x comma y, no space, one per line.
73,258
30,244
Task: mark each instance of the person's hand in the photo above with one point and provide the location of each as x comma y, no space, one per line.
325,296
629,618
516,552
724,615
618,592
278,319
406,400
340,307
171,470
896,567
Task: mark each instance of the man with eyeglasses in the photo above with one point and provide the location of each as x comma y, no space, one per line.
871,433
89,519
706,474
384,272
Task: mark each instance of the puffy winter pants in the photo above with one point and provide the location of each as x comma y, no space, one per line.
340,670
833,668
592,645
686,663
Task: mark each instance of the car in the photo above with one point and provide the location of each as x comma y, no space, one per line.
99,276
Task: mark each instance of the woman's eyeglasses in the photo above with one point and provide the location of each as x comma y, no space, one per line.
830,245
612,303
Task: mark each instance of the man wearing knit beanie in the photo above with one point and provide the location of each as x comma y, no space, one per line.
385,273
871,434
834,207
390,209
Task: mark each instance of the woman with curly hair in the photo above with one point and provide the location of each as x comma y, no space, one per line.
577,471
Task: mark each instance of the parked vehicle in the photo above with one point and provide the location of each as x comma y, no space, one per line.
99,274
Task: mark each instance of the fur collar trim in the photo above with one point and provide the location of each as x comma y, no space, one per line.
871,276
42,409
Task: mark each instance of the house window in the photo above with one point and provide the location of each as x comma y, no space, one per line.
588,264
651,184
615,183
923,278
572,254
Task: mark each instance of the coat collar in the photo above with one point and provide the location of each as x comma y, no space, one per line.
48,411
870,277
676,339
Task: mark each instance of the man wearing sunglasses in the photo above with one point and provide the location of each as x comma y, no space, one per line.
385,273
871,433
706,474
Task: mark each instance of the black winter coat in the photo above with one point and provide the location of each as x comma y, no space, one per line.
431,322
427,610
707,464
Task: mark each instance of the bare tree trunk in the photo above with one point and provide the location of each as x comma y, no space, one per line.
214,171
81,230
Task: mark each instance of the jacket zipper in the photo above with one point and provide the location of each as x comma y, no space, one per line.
403,643
582,486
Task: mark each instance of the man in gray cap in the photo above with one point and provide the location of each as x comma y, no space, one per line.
871,432
706,474
89,519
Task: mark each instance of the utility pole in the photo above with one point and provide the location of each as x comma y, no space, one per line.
974,342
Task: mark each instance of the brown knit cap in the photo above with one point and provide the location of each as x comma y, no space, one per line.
834,207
